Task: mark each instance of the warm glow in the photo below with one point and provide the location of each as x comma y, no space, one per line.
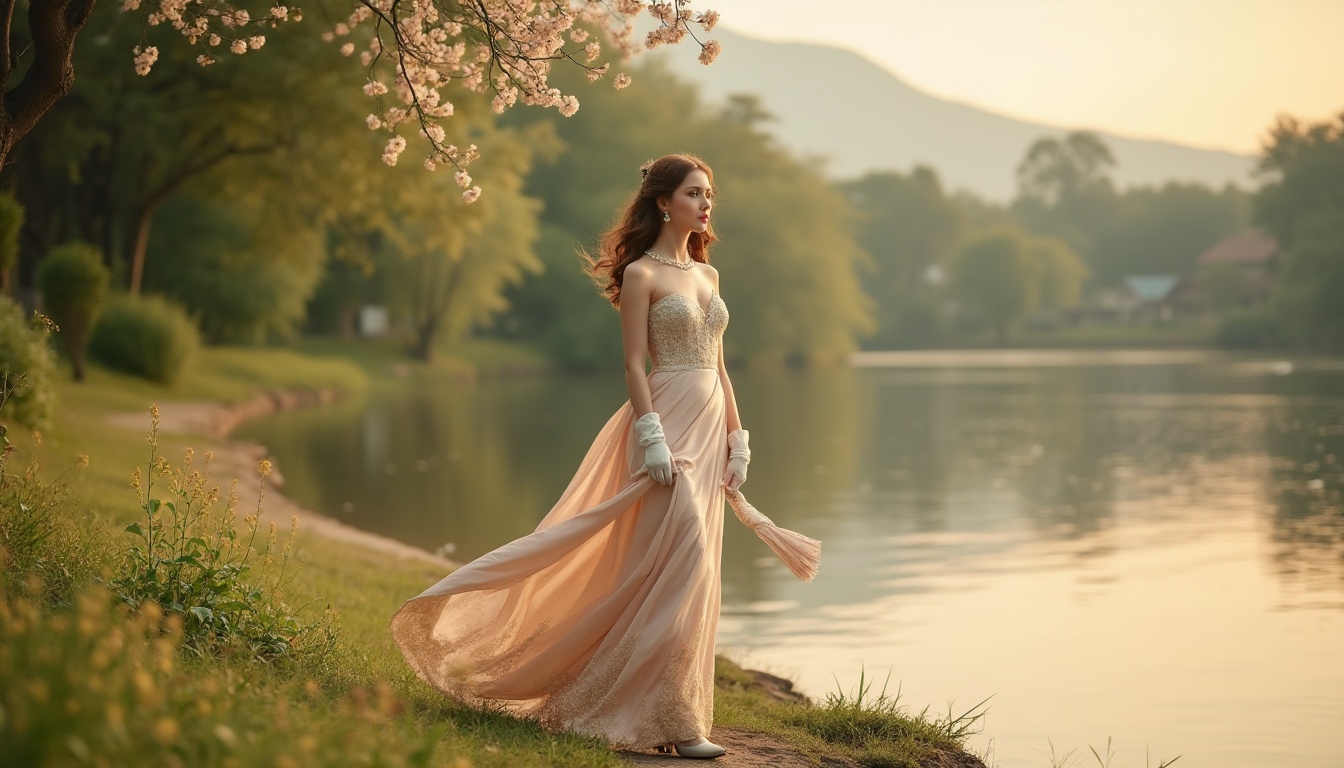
1209,73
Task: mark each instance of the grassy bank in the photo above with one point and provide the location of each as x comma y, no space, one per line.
86,682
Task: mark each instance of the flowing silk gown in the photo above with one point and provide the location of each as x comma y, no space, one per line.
603,619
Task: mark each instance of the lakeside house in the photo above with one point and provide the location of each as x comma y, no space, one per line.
1249,253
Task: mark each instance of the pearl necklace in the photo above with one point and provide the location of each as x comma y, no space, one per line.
661,259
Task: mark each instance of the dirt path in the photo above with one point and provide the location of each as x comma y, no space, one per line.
238,459
746,749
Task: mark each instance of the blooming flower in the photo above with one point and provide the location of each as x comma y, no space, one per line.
471,195
621,81
709,52
375,88
462,178
373,122
238,46
144,59
347,49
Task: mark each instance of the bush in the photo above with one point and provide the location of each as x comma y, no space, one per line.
26,367
1248,330
189,558
149,337
74,286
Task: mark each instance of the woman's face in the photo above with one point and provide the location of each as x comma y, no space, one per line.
689,205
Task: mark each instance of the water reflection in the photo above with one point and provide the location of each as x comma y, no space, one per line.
1098,540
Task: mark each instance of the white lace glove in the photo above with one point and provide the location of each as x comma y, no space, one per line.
657,456
739,456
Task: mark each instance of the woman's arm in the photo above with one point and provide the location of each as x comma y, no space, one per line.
636,288
729,401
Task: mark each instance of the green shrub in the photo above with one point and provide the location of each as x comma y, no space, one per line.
26,367
190,558
74,285
149,337
1248,330
101,685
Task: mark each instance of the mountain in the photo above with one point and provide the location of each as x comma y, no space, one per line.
858,117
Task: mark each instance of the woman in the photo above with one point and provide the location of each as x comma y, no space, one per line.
603,620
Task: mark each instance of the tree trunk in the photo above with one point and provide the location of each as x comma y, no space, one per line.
54,25
143,219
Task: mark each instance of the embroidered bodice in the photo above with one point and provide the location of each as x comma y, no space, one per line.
683,335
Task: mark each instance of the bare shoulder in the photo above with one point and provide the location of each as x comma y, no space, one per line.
710,272
637,280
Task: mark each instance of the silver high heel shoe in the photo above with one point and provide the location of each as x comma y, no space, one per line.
701,748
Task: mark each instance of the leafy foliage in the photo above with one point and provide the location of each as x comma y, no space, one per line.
149,336
74,286
27,366
1303,207
190,559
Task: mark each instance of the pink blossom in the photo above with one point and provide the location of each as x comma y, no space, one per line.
621,81
374,88
213,40
144,59
347,49
708,19
709,52
256,41
471,195
373,122
238,46
279,12
430,164
462,178
395,146
205,60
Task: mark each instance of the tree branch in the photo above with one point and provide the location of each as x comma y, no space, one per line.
6,25
54,25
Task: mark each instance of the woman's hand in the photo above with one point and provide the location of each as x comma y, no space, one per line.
739,456
657,456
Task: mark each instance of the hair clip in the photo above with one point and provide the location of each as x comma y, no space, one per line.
644,172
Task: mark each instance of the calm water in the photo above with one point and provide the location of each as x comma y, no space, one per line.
1145,546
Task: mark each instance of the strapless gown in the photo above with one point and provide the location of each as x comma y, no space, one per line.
603,620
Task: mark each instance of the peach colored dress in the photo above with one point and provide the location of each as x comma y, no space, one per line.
603,620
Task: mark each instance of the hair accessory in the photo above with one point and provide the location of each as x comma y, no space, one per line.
644,172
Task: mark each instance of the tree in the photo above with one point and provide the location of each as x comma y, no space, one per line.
993,275
1003,275
413,50
74,285
1302,205
1059,273
1055,171
907,225
793,289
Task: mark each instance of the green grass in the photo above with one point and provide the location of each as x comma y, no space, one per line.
359,704
870,727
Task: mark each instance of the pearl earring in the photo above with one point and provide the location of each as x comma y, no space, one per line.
667,216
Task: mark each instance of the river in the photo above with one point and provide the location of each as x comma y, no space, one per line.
1145,547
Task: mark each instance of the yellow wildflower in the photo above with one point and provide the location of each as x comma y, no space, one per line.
264,468
83,459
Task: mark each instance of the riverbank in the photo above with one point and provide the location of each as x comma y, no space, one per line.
362,578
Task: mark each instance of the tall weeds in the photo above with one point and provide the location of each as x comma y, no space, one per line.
190,557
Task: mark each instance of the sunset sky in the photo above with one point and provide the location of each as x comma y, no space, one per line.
1208,73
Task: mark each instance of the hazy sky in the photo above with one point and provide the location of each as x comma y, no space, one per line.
1210,73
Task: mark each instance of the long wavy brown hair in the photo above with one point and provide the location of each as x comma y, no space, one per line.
639,225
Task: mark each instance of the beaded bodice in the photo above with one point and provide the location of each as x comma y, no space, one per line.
683,335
